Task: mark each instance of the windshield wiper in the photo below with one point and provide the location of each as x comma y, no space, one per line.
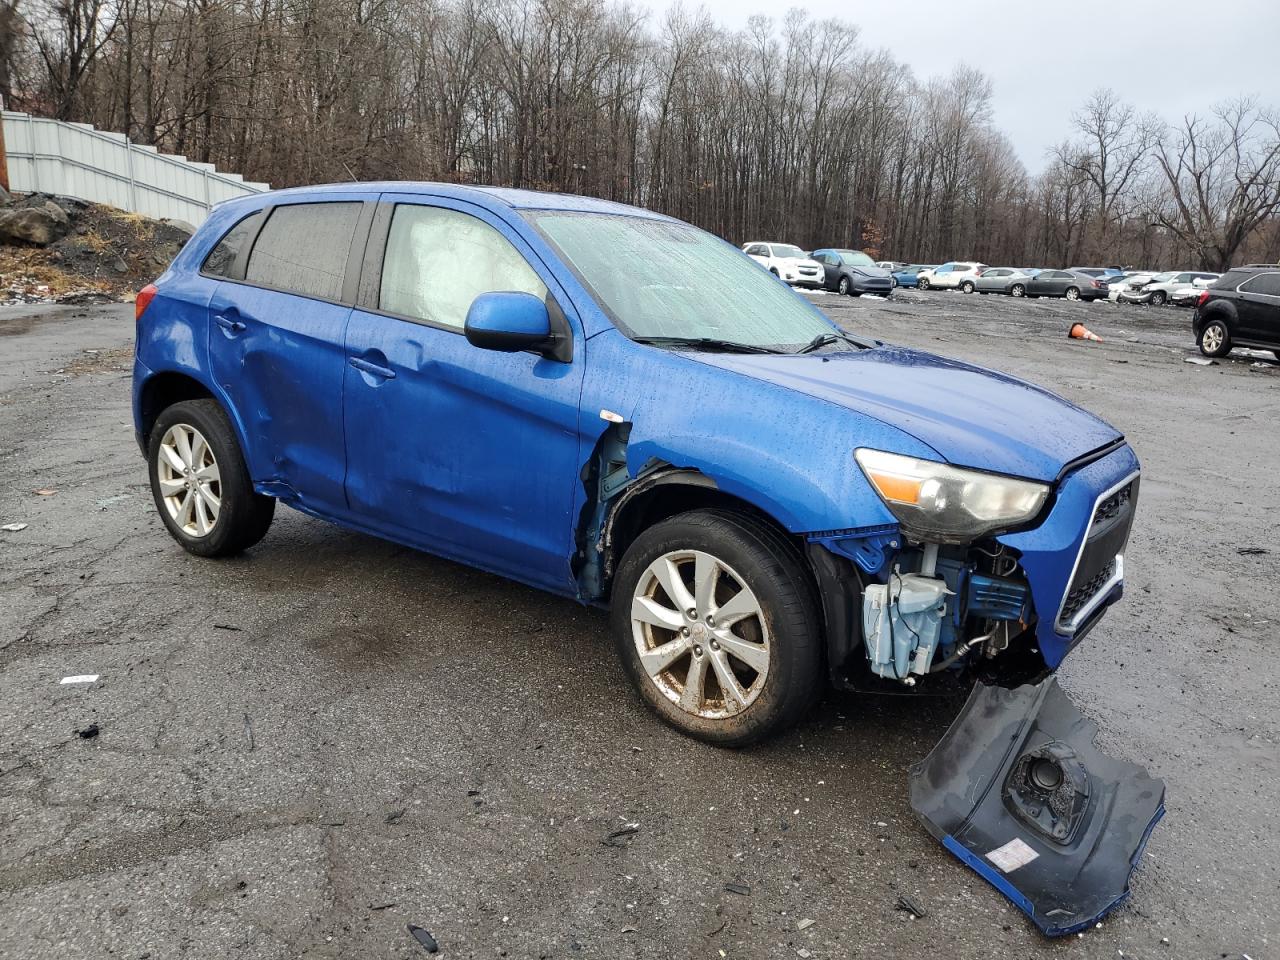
822,340
706,343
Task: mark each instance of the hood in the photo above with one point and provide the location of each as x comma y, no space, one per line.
880,273
799,261
971,416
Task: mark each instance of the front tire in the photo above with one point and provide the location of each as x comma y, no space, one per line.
715,621
1158,298
1215,339
200,484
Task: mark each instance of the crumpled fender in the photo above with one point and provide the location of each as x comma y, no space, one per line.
1018,791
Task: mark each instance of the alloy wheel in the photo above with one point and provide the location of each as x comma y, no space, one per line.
1073,293
700,633
1211,339
190,484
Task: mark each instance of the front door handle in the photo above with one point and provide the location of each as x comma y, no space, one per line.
226,323
374,369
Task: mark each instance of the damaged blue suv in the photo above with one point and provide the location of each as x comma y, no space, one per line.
620,408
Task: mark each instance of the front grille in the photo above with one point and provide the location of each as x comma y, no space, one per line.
1100,562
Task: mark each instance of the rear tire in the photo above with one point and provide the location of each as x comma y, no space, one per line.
1215,339
200,484
922,283
966,287
771,648
1073,293
1017,290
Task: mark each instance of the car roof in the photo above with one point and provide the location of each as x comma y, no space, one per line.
485,196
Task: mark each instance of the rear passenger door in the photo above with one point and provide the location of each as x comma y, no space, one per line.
1258,308
467,452
276,345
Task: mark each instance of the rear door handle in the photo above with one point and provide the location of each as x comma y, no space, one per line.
226,323
377,370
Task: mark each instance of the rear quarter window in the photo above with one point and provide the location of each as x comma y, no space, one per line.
303,249
221,261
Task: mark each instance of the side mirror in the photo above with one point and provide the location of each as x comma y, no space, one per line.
509,322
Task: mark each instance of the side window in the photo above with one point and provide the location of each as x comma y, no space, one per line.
756,250
1264,283
303,249
438,261
222,258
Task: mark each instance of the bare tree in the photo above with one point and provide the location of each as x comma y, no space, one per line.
1223,178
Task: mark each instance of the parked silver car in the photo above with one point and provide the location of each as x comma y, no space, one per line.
1001,279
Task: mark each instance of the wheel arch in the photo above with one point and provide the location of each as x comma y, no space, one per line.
164,388
660,495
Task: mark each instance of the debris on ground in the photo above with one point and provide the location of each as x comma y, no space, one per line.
424,938
80,678
741,889
1079,331
1200,361
618,838
248,731
63,250
910,906
89,732
1251,551
395,816
805,924
14,527
45,492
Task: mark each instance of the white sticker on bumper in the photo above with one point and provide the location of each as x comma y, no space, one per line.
1012,855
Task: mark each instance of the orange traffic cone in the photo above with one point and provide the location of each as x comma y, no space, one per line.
1080,332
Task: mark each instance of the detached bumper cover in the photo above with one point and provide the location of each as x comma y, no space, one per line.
1017,790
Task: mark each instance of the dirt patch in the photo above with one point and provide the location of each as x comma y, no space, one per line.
97,361
106,254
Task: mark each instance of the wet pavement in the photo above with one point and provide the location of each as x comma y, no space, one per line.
304,749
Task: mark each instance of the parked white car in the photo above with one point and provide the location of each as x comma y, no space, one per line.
952,275
1119,285
787,262
1159,289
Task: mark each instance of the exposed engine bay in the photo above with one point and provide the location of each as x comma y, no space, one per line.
943,608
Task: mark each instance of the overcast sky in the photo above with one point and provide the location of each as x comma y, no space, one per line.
1044,57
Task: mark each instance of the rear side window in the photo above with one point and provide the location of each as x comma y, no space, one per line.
1230,280
221,260
438,261
1266,283
303,249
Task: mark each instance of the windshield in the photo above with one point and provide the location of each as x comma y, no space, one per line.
656,278
855,259
787,251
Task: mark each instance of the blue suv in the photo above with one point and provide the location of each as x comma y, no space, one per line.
620,408
756,493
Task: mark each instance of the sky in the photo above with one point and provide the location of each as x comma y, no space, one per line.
1045,57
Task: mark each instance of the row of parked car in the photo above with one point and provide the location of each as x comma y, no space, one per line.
853,273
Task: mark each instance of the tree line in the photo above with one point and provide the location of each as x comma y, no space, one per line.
791,129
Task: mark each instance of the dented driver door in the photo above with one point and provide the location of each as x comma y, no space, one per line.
467,452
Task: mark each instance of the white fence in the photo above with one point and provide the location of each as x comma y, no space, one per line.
78,160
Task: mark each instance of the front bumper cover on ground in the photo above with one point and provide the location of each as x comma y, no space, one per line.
1018,791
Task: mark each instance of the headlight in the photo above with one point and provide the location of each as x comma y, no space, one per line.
939,503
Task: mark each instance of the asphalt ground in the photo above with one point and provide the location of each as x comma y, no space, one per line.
302,750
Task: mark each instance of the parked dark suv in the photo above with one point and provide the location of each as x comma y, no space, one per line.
1241,310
